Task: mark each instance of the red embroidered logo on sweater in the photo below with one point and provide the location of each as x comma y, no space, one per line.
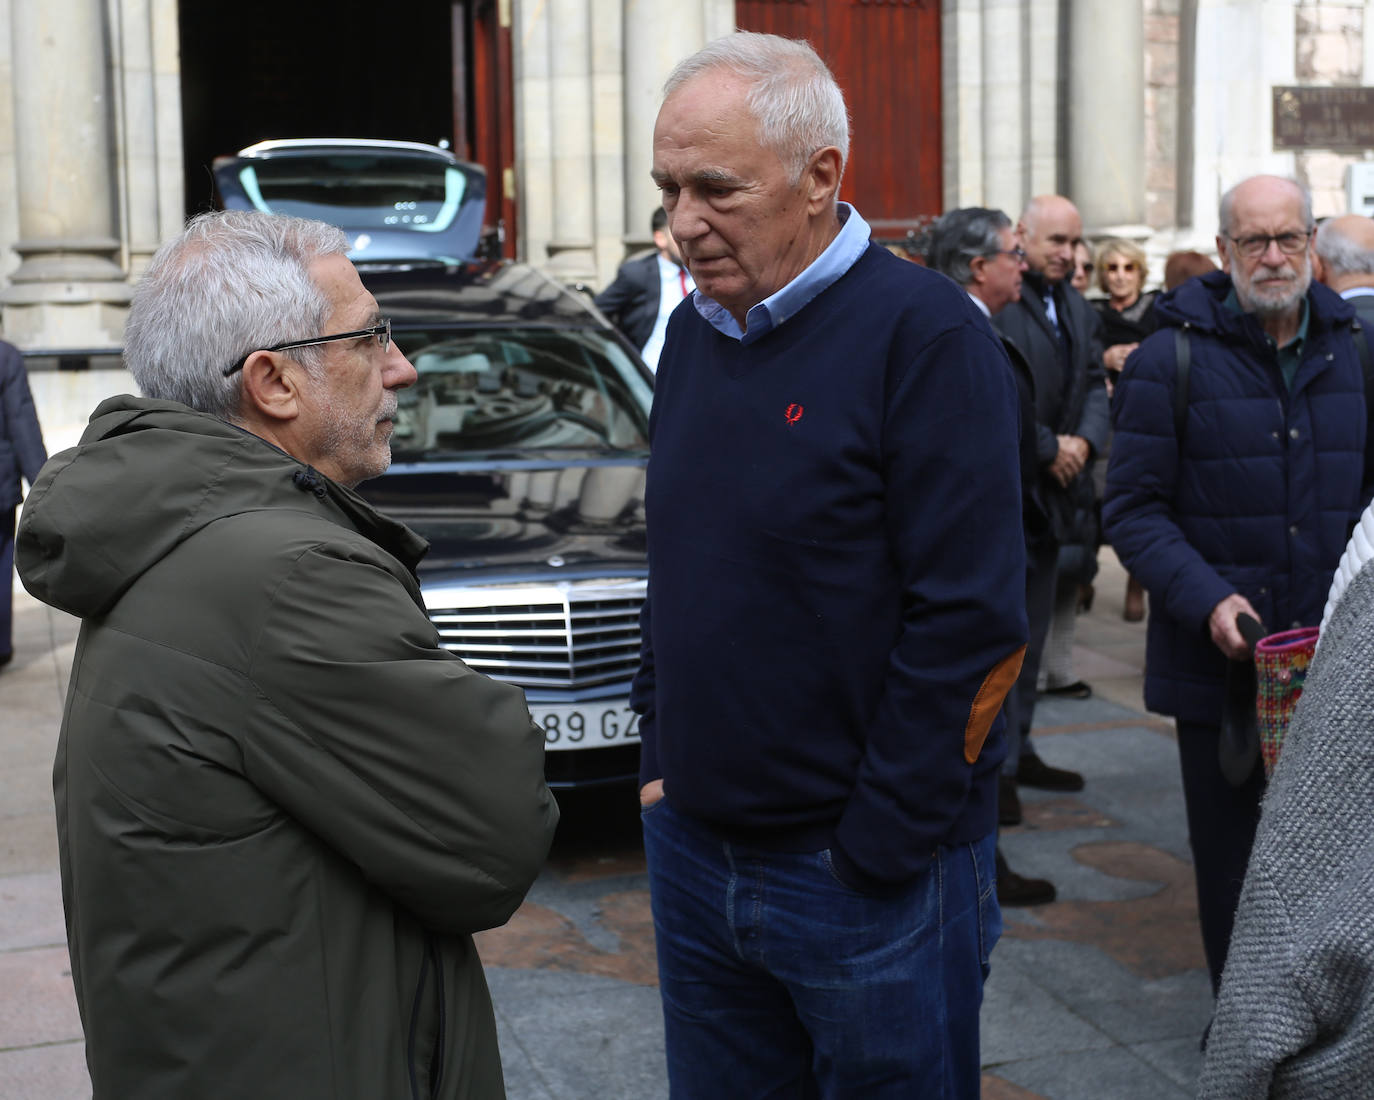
793,413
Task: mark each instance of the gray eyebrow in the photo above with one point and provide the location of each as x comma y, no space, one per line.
705,175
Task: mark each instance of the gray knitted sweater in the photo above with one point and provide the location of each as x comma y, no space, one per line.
1295,1016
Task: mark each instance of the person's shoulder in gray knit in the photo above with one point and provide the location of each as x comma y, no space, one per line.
1295,1015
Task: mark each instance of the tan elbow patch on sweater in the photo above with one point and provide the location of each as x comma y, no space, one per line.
988,702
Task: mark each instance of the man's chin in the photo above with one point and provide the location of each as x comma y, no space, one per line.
1274,303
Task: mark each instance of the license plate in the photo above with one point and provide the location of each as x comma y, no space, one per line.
586,725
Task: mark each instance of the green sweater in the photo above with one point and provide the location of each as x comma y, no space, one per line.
282,807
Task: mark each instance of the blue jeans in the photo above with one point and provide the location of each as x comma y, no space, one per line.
780,981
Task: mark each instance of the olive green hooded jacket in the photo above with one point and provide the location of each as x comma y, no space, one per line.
282,808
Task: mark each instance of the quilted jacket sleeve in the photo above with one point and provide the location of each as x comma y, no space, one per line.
1142,475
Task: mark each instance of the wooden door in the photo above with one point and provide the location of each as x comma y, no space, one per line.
493,113
886,56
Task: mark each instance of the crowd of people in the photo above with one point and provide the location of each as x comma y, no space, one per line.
283,808
1240,458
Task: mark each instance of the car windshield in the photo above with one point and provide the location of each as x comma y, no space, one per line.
358,191
521,389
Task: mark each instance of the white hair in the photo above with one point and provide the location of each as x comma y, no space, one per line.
229,283
1342,255
793,96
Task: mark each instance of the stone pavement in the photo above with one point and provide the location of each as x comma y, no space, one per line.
1101,994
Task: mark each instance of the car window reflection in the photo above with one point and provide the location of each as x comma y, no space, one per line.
525,390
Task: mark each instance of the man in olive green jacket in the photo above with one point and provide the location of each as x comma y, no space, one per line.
282,807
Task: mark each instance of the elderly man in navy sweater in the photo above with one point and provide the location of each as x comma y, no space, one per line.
835,613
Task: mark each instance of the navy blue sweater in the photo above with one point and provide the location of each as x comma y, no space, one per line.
836,565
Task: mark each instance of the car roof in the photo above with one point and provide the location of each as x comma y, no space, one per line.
493,292
304,146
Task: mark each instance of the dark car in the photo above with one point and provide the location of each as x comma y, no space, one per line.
396,200
520,454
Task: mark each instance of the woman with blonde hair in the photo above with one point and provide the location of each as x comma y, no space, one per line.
1127,311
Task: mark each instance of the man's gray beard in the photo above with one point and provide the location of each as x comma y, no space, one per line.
346,436
1266,309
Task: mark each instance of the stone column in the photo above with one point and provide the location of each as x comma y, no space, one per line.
533,131
608,138
146,72
1244,48
68,290
1045,88
1106,110
1005,162
570,133
658,34
961,96
649,58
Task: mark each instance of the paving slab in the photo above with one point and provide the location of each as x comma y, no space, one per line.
38,1008
1115,1072
31,911
55,1071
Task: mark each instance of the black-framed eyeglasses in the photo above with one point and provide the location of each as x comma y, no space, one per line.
1018,253
380,332
1290,244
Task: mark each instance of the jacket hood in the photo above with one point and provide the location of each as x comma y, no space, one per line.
1201,303
145,477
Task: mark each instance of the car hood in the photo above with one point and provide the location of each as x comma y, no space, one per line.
520,518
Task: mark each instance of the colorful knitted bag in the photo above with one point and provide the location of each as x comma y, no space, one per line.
1281,662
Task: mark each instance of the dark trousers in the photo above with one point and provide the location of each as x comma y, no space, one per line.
1042,576
1221,830
7,573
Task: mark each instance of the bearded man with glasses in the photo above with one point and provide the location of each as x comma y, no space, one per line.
1242,458
282,808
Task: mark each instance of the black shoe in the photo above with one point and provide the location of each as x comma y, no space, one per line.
1008,801
1017,890
1076,690
6,658
1034,772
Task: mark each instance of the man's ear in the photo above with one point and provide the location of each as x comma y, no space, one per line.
822,178
1223,255
270,386
1319,271
977,270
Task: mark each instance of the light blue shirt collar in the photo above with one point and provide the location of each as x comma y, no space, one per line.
839,256
1357,292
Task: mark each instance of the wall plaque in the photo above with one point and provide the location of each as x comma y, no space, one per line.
1324,118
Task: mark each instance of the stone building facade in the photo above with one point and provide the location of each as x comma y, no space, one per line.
1143,111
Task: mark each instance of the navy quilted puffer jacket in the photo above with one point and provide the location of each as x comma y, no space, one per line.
1259,495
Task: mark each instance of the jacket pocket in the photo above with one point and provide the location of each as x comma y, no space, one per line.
1256,584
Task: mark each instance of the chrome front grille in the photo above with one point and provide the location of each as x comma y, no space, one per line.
570,635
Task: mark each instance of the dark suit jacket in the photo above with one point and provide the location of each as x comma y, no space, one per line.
1364,310
631,301
1034,519
1070,401
21,441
